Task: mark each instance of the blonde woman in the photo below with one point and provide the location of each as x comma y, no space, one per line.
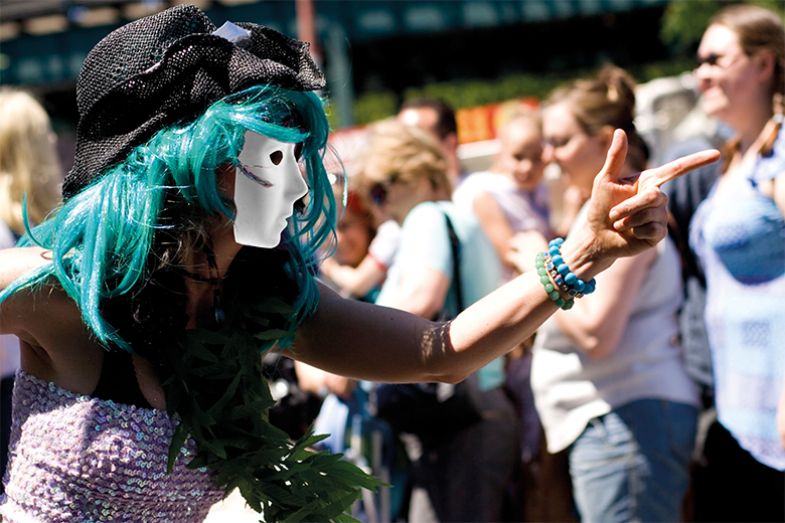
28,160
28,168
608,377
407,174
738,234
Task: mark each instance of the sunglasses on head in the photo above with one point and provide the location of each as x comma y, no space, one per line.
378,191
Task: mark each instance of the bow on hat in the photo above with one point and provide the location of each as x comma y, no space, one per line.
168,68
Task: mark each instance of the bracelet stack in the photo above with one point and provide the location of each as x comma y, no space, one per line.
559,282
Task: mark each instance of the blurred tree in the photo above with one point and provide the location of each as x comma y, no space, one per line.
685,20
375,105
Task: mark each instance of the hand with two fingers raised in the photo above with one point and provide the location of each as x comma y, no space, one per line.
627,215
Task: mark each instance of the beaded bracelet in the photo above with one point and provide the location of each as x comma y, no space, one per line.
558,279
565,279
550,287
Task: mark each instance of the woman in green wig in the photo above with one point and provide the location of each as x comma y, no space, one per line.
186,246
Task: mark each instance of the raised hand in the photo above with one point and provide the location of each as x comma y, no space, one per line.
629,214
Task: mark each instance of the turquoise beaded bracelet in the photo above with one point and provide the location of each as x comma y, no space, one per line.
564,278
550,287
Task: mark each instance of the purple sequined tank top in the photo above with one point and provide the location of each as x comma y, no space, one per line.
75,458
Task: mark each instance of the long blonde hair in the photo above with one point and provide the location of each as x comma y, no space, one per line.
28,160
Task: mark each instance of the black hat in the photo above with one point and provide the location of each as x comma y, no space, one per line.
167,68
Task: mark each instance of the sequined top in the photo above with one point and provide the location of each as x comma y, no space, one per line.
75,458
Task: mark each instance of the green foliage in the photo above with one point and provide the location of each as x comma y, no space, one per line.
222,400
646,72
374,106
685,20
468,93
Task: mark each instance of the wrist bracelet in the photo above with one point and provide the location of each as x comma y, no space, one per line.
551,289
565,278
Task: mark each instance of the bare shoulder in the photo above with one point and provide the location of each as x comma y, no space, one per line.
18,261
16,311
55,344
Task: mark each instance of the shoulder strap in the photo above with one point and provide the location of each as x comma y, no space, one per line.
455,247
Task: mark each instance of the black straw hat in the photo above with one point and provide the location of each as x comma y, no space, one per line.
167,68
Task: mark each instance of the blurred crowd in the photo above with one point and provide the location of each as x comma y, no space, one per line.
658,398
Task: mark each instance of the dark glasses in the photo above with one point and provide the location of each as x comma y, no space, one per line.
378,193
714,59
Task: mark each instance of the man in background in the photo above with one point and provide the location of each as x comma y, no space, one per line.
438,118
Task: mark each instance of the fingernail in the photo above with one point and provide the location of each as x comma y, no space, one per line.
619,225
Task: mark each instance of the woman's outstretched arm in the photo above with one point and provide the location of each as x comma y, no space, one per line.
365,341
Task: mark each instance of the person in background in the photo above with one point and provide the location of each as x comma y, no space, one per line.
509,200
30,177
357,268
608,376
511,197
405,169
438,118
364,251
738,234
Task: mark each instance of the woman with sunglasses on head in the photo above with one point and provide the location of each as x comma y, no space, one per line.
185,248
738,234
444,263
608,377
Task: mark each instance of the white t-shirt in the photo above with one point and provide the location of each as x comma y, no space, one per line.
524,210
570,388
425,243
385,244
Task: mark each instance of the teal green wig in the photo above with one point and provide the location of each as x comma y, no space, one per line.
103,239
118,250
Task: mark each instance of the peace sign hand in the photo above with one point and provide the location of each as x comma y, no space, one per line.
628,215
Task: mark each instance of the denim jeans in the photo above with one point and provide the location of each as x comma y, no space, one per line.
632,463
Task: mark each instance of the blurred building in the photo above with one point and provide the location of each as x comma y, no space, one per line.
363,45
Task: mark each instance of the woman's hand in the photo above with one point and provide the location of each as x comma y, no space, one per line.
628,215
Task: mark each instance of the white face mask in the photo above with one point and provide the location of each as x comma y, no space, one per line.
267,185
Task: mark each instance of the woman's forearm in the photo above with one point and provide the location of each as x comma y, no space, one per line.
381,344
497,323
376,343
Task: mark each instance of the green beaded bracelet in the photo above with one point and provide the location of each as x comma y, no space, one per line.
550,288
